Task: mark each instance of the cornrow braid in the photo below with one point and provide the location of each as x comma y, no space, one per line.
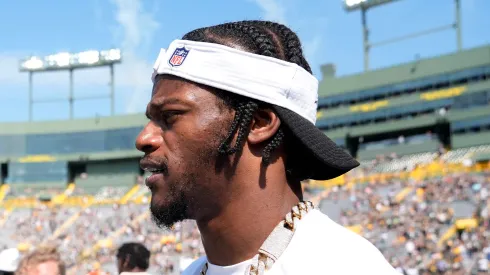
275,142
290,42
261,40
248,111
241,111
241,122
195,35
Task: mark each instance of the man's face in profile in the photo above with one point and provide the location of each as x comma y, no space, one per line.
187,125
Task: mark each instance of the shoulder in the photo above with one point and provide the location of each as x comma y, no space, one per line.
320,228
330,246
195,267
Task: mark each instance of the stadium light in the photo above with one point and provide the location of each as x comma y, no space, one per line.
351,5
65,61
365,5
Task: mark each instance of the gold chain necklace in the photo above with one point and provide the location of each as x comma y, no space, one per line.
269,253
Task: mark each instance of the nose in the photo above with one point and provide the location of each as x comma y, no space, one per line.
149,139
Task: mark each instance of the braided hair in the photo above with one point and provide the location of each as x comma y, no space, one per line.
259,37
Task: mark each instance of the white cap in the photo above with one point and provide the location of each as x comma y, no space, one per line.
9,259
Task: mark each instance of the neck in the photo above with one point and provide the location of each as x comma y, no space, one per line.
242,226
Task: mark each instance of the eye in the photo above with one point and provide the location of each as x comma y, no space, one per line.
169,117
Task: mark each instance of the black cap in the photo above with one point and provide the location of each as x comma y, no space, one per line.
328,159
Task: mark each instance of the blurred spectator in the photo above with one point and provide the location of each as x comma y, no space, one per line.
133,258
43,261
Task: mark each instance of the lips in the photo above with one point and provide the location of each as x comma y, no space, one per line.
152,180
158,170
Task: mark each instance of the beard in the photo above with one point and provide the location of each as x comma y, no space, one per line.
166,217
176,207
192,192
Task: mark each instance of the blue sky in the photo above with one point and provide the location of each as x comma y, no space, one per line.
140,28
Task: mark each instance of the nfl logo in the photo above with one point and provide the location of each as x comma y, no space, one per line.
178,57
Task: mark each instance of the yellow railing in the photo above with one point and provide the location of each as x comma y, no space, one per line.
108,241
21,203
4,189
59,199
129,194
402,194
68,222
355,228
433,169
369,107
444,93
5,216
460,224
141,199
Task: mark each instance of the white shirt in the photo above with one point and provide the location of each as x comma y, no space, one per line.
239,268
483,265
319,246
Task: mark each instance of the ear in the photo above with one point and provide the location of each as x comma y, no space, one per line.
265,124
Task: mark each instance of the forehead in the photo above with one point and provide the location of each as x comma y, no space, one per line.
171,88
47,268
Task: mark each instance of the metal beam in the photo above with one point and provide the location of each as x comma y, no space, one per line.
411,36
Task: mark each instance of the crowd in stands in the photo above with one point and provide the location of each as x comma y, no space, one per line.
437,224
409,230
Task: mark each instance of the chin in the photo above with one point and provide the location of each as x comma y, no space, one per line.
165,213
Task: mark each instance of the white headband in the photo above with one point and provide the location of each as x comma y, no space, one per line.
255,76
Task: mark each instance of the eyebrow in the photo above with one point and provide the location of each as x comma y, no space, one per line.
161,103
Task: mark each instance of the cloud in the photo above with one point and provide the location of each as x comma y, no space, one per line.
137,25
136,30
276,10
312,46
273,10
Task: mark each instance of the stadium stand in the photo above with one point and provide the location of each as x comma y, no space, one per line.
421,131
410,108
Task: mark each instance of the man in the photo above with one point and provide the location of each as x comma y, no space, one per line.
231,136
43,261
133,258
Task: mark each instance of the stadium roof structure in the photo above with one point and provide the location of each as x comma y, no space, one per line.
405,72
78,125
15,135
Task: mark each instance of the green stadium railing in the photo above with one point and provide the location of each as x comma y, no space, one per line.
470,139
400,149
405,100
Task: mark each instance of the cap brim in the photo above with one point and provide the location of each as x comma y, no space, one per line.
328,159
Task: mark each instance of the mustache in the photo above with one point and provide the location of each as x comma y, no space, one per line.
156,163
